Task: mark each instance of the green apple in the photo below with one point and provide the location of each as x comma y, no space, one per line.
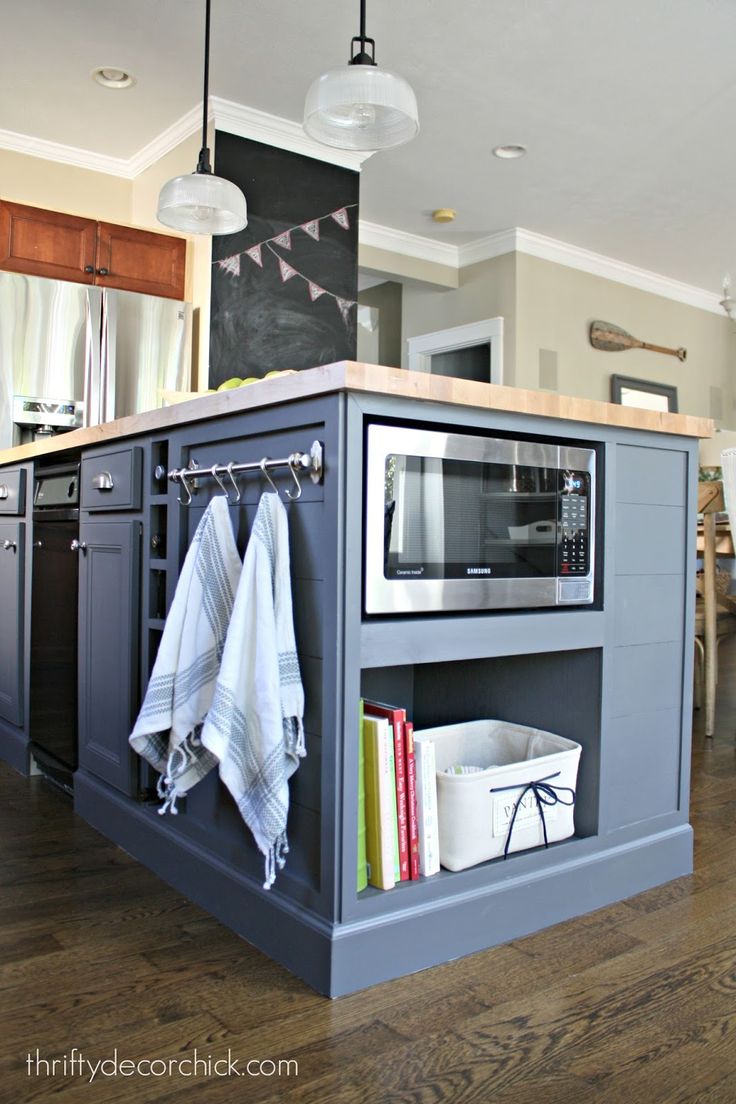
249,379
275,372
228,385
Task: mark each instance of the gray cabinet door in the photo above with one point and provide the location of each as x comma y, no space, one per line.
109,588
12,588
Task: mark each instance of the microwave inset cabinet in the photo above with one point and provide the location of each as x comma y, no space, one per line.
461,522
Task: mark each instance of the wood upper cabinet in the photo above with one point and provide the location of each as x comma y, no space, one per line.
46,243
65,247
139,260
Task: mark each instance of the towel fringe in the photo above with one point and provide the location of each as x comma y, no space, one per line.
275,856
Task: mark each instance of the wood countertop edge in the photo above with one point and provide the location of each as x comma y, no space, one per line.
375,379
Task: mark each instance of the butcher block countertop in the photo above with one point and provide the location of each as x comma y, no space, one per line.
373,378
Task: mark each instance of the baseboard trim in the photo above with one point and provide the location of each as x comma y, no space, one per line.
337,959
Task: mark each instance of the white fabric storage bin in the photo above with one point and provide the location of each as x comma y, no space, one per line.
475,810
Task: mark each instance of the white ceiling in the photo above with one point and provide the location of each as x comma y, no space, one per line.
628,108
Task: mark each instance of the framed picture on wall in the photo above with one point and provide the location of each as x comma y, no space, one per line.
644,394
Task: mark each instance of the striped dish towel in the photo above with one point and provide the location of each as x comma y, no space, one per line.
255,726
168,729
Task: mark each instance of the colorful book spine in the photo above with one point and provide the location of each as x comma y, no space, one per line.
394,814
379,802
429,850
362,873
397,719
411,799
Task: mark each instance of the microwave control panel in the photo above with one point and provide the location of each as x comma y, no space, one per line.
574,528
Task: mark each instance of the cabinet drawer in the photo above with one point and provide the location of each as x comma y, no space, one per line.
112,480
13,491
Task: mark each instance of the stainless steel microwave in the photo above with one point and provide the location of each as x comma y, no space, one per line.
460,522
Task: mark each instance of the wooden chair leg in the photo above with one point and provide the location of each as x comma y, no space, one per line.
698,673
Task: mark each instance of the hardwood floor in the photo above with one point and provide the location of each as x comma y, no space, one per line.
633,1003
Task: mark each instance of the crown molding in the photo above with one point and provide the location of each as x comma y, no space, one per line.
234,118
597,264
66,155
167,140
259,126
408,245
272,130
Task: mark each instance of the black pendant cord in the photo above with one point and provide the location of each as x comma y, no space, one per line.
362,57
203,164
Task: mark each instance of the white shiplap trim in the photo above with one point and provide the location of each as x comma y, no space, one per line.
286,134
66,155
408,245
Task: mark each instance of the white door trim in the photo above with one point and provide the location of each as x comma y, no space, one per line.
424,346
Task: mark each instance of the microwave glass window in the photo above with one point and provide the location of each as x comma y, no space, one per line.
456,519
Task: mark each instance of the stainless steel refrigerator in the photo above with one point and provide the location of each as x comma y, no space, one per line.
116,351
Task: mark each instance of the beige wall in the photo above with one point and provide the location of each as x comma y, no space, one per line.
42,183
486,290
556,305
387,299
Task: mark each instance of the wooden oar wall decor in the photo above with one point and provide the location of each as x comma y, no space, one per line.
612,339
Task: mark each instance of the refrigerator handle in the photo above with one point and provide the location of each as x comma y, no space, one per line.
108,345
91,414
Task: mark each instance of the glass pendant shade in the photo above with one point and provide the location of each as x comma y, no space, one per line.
201,203
361,107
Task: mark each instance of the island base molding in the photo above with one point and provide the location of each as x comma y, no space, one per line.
337,959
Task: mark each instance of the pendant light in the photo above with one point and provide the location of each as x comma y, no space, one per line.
202,203
361,107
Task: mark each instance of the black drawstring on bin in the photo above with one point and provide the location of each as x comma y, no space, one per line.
544,794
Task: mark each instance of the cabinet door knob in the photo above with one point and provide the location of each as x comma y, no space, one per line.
89,268
38,544
4,492
9,545
103,481
78,546
102,271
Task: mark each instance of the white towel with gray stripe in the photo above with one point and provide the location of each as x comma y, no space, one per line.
168,730
255,725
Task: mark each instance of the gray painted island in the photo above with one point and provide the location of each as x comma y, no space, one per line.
615,676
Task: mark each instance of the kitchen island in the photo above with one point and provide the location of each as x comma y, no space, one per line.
615,675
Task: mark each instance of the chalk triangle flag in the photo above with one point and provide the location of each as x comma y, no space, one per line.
311,228
255,254
341,218
231,265
284,239
286,270
315,291
344,305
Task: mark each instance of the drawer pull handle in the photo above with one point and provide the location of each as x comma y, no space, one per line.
10,545
78,546
4,492
103,482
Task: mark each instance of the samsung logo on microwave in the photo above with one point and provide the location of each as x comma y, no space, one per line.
477,571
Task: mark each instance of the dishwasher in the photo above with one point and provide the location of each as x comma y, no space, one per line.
55,578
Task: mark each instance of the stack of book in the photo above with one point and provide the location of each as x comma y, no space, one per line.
397,800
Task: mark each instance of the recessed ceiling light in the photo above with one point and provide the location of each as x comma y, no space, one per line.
509,152
109,76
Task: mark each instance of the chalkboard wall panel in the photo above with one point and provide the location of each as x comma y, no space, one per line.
265,316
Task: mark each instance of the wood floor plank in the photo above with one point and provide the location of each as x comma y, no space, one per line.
633,1004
